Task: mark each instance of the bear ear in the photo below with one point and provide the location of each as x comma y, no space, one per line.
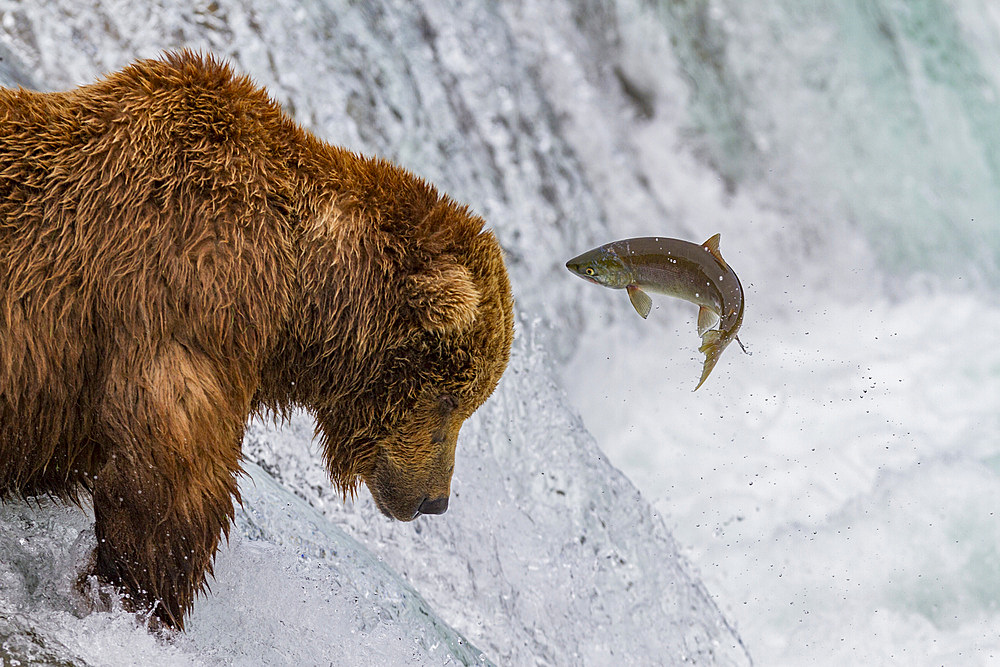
445,298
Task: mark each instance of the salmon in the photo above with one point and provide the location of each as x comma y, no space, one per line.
688,271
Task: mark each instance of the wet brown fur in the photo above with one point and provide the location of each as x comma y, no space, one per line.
176,255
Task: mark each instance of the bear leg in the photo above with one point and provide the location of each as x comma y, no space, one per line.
165,495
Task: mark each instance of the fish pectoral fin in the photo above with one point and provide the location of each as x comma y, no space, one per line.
712,245
706,319
640,300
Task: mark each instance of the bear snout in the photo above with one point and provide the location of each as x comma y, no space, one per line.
434,506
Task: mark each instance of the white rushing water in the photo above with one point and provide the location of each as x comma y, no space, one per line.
834,490
837,488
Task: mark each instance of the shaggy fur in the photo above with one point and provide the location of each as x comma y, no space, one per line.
175,255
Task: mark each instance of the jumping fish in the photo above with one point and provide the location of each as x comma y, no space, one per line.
695,273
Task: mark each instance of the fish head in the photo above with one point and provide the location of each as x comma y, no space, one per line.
602,266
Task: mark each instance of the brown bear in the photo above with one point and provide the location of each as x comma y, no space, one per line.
176,255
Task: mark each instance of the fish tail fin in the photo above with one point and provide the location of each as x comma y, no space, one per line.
712,345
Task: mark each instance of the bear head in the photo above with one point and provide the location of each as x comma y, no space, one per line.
419,326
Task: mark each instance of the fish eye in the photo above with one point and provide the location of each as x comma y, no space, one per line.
589,271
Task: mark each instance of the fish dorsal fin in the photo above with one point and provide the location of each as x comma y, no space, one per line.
706,319
712,245
640,300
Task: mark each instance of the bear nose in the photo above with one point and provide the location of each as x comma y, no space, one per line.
435,506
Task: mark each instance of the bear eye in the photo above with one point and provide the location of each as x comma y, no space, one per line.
448,402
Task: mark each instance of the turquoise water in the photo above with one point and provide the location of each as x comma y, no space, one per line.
881,115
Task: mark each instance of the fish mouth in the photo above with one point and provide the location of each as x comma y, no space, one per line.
577,268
